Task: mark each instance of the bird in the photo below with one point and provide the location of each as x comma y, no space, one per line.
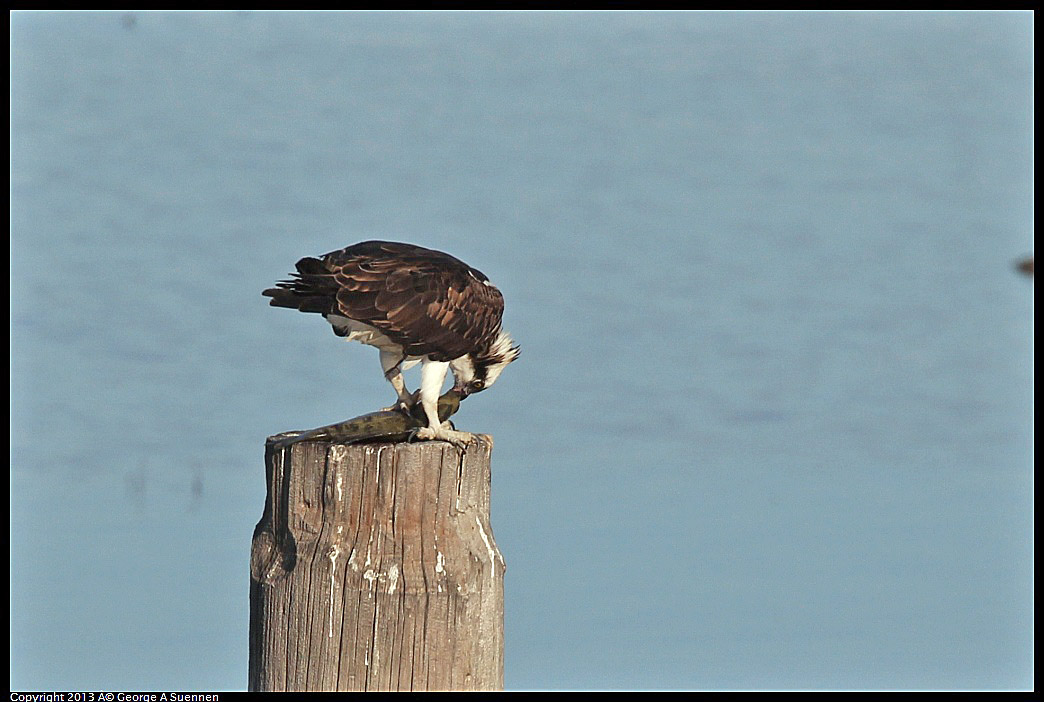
416,305
1025,266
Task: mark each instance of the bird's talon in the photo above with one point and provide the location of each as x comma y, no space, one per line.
460,439
400,406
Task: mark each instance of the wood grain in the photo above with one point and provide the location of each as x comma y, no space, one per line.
374,568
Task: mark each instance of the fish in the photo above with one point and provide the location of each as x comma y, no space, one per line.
390,425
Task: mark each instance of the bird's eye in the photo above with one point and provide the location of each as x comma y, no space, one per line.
477,384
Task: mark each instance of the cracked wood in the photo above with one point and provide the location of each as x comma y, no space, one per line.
374,568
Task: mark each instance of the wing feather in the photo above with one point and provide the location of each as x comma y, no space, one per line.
429,302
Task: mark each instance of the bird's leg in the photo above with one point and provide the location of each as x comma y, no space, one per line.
433,375
392,364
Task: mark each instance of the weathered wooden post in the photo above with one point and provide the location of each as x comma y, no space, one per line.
374,568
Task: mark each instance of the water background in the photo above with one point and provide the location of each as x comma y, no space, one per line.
772,423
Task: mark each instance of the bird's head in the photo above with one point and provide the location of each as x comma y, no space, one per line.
477,372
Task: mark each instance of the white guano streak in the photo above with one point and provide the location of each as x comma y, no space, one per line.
492,552
334,553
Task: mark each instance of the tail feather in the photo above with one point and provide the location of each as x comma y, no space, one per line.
311,289
312,266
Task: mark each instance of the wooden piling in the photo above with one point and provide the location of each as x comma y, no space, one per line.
374,568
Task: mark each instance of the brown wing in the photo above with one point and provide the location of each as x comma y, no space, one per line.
429,302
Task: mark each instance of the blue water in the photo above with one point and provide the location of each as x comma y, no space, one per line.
772,423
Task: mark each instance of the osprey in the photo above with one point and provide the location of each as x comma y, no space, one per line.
415,305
